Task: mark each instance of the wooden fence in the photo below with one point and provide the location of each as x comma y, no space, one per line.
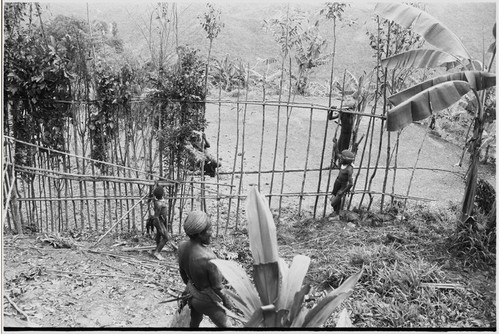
283,148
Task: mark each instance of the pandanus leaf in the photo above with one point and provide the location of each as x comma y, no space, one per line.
264,247
240,304
297,308
433,31
478,80
238,279
318,315
256,319
292,281
344,321
423,104
261,229
266,277
420,58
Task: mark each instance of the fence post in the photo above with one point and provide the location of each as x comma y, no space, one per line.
14,209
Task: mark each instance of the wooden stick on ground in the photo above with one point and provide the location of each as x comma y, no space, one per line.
16,307
119,220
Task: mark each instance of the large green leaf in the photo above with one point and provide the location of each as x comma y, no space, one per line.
318,315
298,320
266,277
297,305
478,80
240,304
420,58
261,229
292,282
256,320
433,31
238,279
425,103
343,320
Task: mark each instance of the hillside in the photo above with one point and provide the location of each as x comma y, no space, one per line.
243,36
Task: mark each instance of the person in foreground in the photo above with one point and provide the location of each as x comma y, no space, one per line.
202,278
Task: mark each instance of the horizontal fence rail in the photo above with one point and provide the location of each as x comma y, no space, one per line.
284,148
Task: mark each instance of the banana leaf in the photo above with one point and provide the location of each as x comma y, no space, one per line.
433,31
292,282
423,104
318,315
478,80
492,48
420,58
238,279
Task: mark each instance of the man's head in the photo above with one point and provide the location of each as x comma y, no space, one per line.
158,192
347,157
198,226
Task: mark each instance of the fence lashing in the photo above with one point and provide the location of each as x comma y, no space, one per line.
45,200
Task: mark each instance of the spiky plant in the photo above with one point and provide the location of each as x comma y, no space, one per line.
277,298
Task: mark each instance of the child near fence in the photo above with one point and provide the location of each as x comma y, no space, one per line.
344,182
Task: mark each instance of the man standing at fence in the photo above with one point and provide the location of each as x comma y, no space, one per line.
202,278
346,127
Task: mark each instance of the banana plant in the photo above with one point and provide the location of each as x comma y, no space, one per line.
449,47
424,99
276,299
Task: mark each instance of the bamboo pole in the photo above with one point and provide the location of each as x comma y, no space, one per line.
10,184
217,153
262,130
309,133
89,159
235,158
287,127
414,168
361,161
333,157
94,189
279,103
395,168
52,218
242,151
384,108
66,193
325,135
111,228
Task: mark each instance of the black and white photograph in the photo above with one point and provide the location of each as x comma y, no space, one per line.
249,165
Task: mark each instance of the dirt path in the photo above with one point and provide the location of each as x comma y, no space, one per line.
77,288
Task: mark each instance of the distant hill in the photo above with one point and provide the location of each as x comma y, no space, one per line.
243,36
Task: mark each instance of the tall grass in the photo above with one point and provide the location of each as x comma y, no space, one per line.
411,280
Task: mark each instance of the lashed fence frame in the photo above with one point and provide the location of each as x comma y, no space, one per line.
119,181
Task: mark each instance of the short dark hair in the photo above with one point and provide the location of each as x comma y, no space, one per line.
158,192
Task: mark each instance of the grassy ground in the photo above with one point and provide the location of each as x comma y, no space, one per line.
412,278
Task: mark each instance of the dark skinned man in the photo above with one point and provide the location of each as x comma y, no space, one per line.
202,278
